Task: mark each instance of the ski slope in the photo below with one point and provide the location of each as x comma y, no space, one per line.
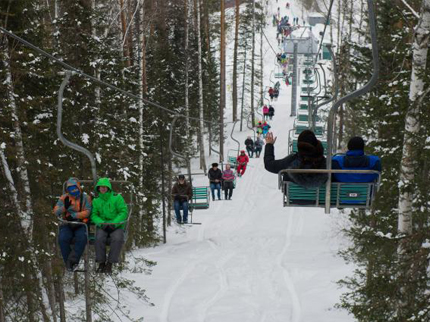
251,259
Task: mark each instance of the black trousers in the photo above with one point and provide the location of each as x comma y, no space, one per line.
228,189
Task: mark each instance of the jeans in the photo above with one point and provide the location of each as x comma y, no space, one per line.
257,152
65,237
217,186
116,242
250,152
178,205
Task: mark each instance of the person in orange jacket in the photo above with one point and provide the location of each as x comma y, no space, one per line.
73,207
242,161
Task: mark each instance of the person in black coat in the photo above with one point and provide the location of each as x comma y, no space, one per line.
215,177
310,156
271,112
249,146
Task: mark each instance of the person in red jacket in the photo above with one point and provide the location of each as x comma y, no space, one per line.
271,93
242,161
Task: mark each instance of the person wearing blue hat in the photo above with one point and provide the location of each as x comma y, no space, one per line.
73,207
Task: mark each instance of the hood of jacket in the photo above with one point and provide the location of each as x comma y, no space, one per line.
104,182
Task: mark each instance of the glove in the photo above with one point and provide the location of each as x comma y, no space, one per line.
71,215
177,197
109,228
68,217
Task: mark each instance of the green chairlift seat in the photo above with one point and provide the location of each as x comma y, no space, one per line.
304,106
305,118
343,195
232,161
300,128
294,149
308,81
200,199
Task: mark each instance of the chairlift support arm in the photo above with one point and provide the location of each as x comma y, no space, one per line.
60,135
231,135
336,88
366,88
180,156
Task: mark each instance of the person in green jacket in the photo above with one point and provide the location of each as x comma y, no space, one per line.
108,214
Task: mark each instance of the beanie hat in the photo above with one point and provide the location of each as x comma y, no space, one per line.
356,143
214,165
181,176
309,146
308,136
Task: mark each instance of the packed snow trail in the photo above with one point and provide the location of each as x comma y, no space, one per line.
251,260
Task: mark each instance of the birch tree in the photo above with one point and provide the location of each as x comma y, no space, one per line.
200,72
412,122
27,213
222,84
236,46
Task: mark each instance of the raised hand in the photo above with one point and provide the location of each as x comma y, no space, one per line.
270,139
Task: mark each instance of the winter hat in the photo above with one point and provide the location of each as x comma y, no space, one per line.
308,136
214,165
309,146
181,176
356,143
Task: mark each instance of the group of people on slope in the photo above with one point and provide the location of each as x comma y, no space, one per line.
268,112
252,146
310,155
273,93
263,128
108,211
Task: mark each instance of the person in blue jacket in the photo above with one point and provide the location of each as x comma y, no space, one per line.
355,159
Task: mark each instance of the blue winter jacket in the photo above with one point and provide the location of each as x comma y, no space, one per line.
355,160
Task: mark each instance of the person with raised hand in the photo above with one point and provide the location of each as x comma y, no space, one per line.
310,155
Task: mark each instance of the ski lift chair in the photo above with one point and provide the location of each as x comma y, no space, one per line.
128,197
232,157
200,199
342,195
293,146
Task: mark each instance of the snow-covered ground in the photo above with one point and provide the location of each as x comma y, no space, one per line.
250,259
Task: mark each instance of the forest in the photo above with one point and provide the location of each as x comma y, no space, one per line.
173,53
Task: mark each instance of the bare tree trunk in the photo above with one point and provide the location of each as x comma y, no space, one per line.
236,45
187,67
412,124
360,25
201,115
25,216
2,315
125,47
207,26
222,82
339,31
261,62
253,62
143,89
